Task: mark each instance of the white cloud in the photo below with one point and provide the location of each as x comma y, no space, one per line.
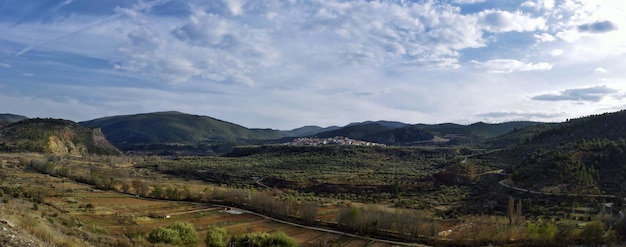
539,4
600,70
504,21
235,6
544,37
556,52
469,1
360,59
511,65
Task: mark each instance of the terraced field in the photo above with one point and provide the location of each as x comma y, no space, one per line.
127,216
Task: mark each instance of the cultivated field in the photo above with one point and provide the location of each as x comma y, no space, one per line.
121,215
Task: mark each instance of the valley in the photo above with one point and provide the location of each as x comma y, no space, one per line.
509,184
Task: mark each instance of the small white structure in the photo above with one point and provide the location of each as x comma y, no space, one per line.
232,211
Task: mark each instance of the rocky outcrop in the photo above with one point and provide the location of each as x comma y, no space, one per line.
54,136
13,236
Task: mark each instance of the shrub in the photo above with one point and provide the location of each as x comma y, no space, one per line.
216,237
187,233
99,229
263,239
165,235
179,233
280,239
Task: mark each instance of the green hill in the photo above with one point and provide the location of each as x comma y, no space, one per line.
53,136
475,133
306,131
169,130
355,131
11,118
584,155
393,133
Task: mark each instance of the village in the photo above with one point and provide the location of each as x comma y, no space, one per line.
337,140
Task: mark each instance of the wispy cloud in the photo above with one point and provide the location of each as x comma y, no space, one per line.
286,63
519,115
590,94
511,65
138,7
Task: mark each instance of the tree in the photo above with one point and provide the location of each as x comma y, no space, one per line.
309,211
263,239
280,239
187,232
518,213
157,192
216,237
511,210
593,233
164,235
179,233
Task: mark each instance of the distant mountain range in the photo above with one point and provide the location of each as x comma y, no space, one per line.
187,134
175,128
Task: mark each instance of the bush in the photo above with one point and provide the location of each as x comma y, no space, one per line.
179,233
165,235
216,237
280,239
263,239
99,229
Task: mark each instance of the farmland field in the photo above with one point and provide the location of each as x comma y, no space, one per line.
128,216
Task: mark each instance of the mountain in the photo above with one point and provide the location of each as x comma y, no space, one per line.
354,131
406,136
584,155
388,124
171,130
400,134
473,133
11,118
54,136
306,131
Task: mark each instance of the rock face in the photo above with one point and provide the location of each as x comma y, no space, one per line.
12,236
54,136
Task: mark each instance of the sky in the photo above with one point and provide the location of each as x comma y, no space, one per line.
284,64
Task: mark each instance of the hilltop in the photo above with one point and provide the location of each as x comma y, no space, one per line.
6,119
54,136
177,131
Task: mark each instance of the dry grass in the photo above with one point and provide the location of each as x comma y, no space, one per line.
39,228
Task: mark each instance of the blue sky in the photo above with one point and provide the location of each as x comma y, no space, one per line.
286,64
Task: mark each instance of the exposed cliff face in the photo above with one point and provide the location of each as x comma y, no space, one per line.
54,136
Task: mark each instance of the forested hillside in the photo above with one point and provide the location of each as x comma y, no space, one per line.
585,155
177,131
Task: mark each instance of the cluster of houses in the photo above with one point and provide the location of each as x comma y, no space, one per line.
337,140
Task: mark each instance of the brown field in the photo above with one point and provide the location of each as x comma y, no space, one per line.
126,215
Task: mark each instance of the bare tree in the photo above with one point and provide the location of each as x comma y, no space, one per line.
309,211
